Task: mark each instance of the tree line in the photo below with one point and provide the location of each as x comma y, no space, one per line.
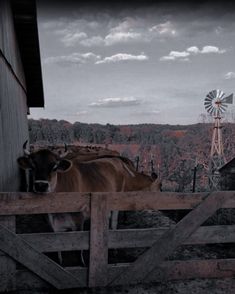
173,149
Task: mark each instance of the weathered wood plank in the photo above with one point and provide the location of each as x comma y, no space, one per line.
169,270
60,241
144,200
193,269
98,265
183,270
13,102
212,235
146,237
29,203
130,238
169,241
7,265
21,251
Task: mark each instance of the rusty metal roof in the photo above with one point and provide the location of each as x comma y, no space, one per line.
25,20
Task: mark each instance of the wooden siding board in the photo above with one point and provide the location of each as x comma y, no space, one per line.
13,105
14,128
8,41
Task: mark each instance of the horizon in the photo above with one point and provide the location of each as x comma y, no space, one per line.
137,124
135,64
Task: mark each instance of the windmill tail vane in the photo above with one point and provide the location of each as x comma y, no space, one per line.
228,99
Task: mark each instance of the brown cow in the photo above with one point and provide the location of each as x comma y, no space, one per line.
106,174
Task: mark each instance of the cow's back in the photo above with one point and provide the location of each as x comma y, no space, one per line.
99,175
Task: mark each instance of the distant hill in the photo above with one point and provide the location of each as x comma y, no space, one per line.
173,149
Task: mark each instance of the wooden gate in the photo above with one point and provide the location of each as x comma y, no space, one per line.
42,272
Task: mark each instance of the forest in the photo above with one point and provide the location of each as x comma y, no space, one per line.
171,150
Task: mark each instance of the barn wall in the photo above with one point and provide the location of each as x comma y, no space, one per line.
227,176
13,108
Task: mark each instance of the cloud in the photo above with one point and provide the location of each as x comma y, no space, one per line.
123,57
122,37
116,102
82,113
71,39
71,32
229,75
176,55
125,31
93,41
193,50
212,49
72,59
164,29
131,30
107,32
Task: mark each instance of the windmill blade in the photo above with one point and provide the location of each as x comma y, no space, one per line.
219,94
208,106
213,111
224,105
210,109
228,99
207,103
222,109
208,99
212,94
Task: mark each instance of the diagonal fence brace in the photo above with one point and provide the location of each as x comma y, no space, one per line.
38,263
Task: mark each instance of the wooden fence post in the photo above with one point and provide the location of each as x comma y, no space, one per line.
7,264
98,265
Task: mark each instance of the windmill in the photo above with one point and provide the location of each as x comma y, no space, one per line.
216,103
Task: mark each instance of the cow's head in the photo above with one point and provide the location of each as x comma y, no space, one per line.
44,165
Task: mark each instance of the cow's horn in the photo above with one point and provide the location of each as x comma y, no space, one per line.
65,151
26,152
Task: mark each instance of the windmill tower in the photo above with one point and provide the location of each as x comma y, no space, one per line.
215,104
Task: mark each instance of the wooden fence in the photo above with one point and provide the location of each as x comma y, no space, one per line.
41,272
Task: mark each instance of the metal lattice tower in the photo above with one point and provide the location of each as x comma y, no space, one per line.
215,104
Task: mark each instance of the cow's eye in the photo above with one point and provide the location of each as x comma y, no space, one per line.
54,168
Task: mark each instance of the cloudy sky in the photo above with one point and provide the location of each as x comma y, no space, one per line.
119,64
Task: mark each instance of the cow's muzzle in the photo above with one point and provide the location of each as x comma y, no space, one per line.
41,186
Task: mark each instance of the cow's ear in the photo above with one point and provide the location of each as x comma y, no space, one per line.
64,165
24,162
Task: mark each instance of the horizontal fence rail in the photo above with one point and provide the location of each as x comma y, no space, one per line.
130,238
42,272
169,270
28,203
